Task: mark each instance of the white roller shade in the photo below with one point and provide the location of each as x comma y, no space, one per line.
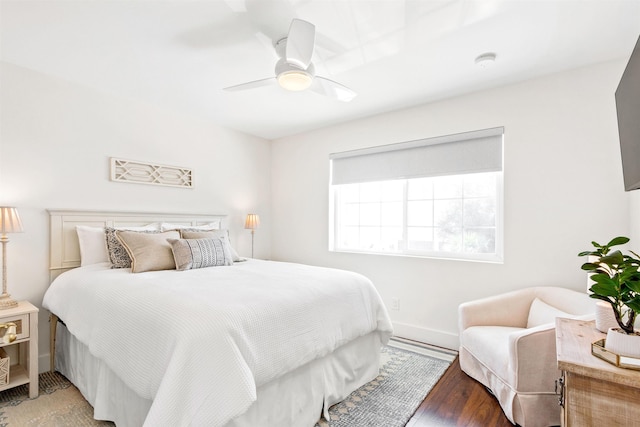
470,152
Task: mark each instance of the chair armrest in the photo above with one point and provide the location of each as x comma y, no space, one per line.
533,355
510,309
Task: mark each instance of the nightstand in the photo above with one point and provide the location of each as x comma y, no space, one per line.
594,392
25,371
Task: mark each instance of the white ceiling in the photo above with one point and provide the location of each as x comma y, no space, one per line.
394,53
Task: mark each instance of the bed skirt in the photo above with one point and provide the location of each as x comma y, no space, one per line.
295,399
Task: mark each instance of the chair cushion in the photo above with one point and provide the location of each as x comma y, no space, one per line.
490,346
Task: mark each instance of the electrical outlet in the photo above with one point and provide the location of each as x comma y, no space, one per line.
395,303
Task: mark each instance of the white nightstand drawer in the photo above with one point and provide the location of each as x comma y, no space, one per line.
22,326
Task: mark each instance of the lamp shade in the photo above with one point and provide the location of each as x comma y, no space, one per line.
9,220
252,222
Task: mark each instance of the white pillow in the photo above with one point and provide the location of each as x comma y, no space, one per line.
541,313
93,245
166,226
154,226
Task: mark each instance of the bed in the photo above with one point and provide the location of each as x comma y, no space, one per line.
248,343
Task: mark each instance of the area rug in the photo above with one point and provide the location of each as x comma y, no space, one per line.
407,373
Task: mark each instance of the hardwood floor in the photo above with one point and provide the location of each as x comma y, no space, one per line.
457,400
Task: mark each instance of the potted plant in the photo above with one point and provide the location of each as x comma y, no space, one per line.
617,281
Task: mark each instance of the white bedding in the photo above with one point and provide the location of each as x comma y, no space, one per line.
199,342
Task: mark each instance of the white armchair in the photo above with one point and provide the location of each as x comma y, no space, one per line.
507,343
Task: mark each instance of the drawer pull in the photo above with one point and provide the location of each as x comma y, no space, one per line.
560,385
10,335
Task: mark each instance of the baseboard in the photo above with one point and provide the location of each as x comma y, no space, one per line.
422,348
429,336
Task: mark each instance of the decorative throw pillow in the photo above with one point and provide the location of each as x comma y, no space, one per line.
541,313
148,251
188,233
200,253
117,254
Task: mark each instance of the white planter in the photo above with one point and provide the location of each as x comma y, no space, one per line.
605,318
623,344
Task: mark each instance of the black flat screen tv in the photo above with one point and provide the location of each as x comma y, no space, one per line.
628,109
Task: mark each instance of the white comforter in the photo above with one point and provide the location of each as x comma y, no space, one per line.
199,342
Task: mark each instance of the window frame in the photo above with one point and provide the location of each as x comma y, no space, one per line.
334,203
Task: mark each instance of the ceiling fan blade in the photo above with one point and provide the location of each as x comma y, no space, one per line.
251,85
327,87
300,42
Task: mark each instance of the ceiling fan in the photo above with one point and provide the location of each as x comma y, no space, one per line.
294,70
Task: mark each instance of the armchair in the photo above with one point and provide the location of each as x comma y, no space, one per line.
507,343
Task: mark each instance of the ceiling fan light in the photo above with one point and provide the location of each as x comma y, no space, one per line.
294,80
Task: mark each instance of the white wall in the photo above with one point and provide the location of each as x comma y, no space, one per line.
634,219
56,139
563,188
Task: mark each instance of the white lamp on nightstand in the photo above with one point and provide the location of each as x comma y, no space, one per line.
251,223
9,223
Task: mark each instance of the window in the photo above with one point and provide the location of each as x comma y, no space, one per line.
439,197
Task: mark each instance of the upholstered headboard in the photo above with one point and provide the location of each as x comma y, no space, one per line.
64,250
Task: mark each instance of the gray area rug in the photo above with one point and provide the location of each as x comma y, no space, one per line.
389,400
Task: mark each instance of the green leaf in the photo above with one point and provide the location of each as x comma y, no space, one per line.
589,266
629,273
621,240
604,279
590,253
614,258
634,304
633,285
604,290
600,297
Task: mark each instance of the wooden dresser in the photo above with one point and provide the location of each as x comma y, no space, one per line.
595,393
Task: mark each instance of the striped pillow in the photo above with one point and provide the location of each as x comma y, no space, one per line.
200,253
187,233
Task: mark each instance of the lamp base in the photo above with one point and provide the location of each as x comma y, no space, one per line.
7,302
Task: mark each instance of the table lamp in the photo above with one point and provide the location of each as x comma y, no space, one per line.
251,223
9,223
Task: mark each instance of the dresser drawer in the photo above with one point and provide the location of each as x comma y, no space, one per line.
22,326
